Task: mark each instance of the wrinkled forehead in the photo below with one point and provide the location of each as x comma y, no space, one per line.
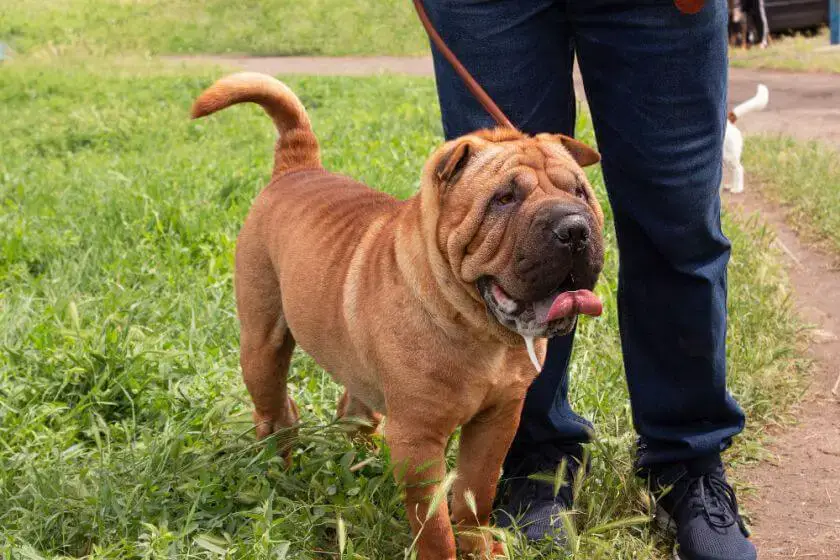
528,162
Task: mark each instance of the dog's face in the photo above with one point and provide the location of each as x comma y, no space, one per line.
519,226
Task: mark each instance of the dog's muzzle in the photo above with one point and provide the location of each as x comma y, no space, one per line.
553,279
553,315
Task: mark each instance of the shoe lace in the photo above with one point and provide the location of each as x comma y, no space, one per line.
712,497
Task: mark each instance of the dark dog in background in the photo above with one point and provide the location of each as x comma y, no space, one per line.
748,24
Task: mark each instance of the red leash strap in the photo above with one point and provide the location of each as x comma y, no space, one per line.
685,6
462,72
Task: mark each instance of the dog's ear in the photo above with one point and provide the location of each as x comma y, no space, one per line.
580,152
451,164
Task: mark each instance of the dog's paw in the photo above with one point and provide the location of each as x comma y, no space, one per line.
479,545
283,424
267,424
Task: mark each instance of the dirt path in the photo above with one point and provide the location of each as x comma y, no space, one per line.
796,509
804,106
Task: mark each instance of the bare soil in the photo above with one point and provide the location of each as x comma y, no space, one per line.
795,510
805,106
796,507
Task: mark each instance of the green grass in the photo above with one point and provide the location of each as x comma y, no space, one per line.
281,27
260,27
795,52
805,177
124,426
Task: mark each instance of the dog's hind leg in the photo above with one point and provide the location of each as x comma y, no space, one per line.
265,366
266,343
737,178
727,171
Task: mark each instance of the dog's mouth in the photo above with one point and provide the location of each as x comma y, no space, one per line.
553,315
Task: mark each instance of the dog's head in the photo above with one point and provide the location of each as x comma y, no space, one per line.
518,225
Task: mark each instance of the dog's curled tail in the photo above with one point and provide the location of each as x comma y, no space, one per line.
756,103
297,147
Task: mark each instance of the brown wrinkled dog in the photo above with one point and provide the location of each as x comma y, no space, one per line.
418,307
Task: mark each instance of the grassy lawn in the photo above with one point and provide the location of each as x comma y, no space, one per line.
124,426
805,177
261,27
790,52
280,27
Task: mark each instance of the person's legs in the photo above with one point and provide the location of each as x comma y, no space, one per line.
656,83
521,54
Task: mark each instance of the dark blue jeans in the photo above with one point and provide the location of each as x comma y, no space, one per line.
655,81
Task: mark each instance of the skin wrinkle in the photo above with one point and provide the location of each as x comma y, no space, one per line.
419,282
451,248
477,247
354,271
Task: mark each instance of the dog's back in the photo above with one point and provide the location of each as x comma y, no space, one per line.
281,266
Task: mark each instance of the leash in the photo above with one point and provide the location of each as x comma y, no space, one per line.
474,87
685,6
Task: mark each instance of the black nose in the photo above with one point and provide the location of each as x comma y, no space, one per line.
572,231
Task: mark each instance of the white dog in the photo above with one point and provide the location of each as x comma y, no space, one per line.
733,141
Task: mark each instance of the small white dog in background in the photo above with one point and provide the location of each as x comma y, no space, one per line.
733,140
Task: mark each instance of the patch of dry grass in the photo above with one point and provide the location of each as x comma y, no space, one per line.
797,52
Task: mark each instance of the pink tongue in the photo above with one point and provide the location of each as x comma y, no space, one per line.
578,302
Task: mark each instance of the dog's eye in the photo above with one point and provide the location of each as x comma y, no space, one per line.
504,198
581,193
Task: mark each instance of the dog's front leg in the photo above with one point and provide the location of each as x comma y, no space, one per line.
417,451
485,441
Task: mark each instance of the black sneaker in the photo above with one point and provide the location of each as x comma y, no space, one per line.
697,503
534,491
